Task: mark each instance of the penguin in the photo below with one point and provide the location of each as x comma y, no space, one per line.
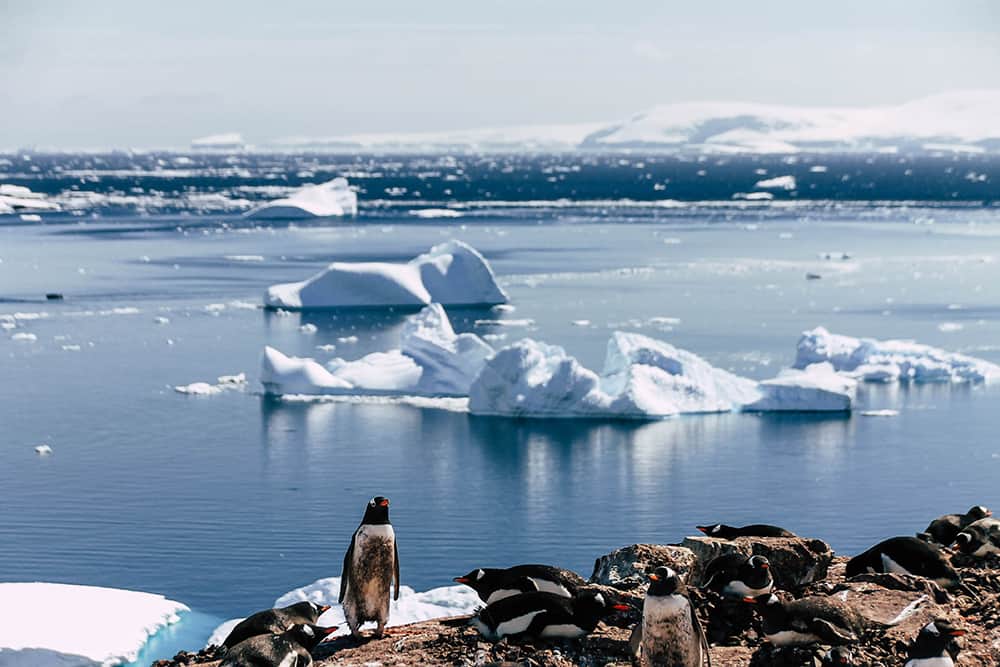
815,619
736,576
906,555
945,529
371,565
725,532
838,656
980,538
492,584
291,648
935,645
275,621
671,634
544,615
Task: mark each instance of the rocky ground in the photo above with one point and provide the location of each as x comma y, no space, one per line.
802,567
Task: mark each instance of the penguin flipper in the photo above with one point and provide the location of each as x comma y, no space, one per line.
635,640
348,559
538,624
395,560
700,631
830,632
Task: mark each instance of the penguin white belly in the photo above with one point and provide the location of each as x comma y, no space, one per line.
502,593
563,631
372,572
667,633
737,588
891,566
517,624
547,586
930,662
792,638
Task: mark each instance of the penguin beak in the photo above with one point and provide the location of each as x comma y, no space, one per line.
384,502
461,580
654,577
621,607
329,632
323,608
957,632
765,566
702,529
750,600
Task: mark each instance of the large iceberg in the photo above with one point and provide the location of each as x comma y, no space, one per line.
890,360
411,607
451,273
104,626
333,198
816,388
432,361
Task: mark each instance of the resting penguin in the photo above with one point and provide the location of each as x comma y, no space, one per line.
935,645
945,529
670,633
838,656
906,555
289,649
494,584
980,538
544,615
816,619
371,564
725,532
275,621
734,575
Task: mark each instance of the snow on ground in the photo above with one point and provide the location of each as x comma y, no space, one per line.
333,198
890,360
103,626
411,607
450,273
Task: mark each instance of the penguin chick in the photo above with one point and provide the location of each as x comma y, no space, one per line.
492,584
671,634
291,648
736,576
274,621
725,532
544,615
371,565
935,645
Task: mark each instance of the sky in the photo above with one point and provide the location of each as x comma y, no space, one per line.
134,74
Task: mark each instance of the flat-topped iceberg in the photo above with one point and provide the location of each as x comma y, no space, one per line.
19,199
105,626
411,607
432,361
451,273
816,388
333,198
890,360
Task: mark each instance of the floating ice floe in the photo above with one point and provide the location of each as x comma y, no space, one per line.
223,383
43,450
333,198
890,360
436,213
451,274
879,413
776,183
19,199
411,607
24,337
432,361
106,626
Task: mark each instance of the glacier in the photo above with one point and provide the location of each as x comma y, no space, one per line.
451,273
333,198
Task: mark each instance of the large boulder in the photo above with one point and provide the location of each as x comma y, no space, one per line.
796,562
627,568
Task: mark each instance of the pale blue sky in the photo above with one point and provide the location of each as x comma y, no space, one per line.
126,73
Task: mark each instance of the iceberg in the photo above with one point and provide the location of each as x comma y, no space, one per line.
411,607
816,388
451,273
873,360
19,199
107,626
333,198
432,361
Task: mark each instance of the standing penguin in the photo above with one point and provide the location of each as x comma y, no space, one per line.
291,648
736,576
371,565
275,621
935,645
672,635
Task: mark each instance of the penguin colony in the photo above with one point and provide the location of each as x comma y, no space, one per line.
545,602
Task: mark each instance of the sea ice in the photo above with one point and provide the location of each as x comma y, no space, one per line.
333,198
776,183
43,450
451,273
105,626
19,199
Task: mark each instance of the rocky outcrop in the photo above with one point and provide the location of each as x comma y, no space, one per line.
628,567
795,562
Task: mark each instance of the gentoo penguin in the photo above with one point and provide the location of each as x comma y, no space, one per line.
725,532
544,615
935,645
736,576
275,621
671,634
291,648
371,564
906,555
945,529
838,656
494,584
815,619
980,538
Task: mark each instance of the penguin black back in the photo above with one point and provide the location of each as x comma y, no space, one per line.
737,576
492,584
815,619
935,644
274,621
292,647
542,614
905,555
945,529
725,532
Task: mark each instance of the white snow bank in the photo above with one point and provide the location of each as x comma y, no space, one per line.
452,273
411,607
816,388
890,360
311,201
104,626
432,361
18,199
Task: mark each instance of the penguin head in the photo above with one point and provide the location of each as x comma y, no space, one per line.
839,655
664,581
377,511
978,512
757,572
966,542
308,635
942,627
479,580
307,609
592,603
713,530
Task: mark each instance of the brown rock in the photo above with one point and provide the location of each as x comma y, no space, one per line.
795,562
627,568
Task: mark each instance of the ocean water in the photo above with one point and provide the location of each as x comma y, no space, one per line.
225,502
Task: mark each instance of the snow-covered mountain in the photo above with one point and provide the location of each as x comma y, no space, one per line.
958,121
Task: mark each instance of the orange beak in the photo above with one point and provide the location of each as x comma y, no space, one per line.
749,600
384,503
654,577
323,608
621,607
461,580
957,633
